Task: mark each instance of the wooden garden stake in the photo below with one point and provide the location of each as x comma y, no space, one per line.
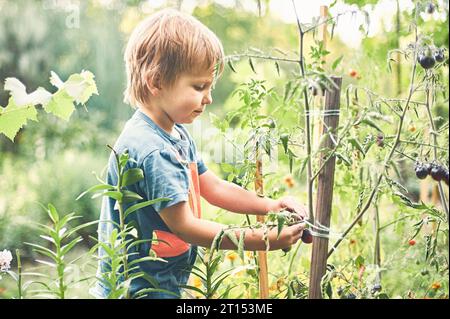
325,190
262,255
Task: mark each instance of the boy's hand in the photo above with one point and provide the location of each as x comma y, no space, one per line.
289,203
288,236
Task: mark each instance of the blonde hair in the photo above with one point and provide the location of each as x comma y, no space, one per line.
165,45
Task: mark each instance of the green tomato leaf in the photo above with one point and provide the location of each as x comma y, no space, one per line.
219,124
277,66
232,236
329,290
281,219
336,62
359,261
356,144
372,124
284,140
241,244
230,64
250,62
215,245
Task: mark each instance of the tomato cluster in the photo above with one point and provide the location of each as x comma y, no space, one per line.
427,58
435,170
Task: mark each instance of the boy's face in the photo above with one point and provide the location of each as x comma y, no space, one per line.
188,97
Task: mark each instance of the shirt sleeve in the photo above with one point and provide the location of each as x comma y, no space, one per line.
201,167
166,177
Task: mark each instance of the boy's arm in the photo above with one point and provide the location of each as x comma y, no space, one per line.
181,222
234,198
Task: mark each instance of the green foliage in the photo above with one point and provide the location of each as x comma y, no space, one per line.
210,260
267,110
361,3
21,107
62,241
121,240
13,117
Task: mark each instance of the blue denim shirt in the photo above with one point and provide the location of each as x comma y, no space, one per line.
171,168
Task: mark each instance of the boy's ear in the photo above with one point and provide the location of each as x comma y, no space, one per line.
153,85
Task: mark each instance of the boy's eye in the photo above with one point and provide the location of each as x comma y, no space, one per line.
199,87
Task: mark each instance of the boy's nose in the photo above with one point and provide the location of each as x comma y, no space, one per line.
207,99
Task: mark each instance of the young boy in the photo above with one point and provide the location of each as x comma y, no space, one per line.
171,63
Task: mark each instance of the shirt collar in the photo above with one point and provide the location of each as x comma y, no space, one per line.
184,142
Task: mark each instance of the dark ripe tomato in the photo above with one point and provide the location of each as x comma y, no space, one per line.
439,55
426,61
446,176
430,8
421,171
437,172
307,237
376,288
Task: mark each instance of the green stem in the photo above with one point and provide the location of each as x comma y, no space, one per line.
19,270
255,258
121,219
376,255
60,265
294,254
208,278
122,231
421,144
434,138
301,62
395,221
263,57
327,20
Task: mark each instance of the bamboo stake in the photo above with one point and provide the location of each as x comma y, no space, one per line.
262,255
324,193
323,28
424,191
